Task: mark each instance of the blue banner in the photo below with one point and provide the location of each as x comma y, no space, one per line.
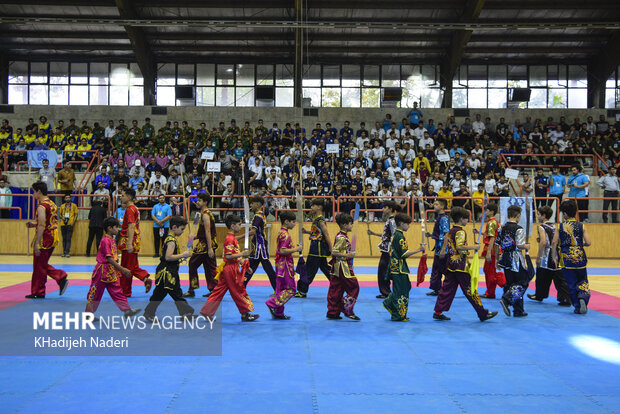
35,158
506,202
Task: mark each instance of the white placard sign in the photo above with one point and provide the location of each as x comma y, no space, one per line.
443,157
214,167
207,155
511,173
333,148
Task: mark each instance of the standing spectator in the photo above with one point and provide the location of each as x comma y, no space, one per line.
5,200
67,214
557,182
578,188
541,185
610,185
415,115
47,175
161,214
96,215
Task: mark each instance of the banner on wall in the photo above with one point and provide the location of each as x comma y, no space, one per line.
506,202
35,158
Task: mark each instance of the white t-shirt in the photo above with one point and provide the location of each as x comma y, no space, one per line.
426,141
374,182
478,127
489,186
258,170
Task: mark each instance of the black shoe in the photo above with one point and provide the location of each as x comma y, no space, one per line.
189,294
206,295
272,311
520,315
353,317
583,308
440,317
151,319
248,317
35,296
131,312
328,316
382,296
299,295
533,297
564,304
95,319
155,255
432,293
282,317
489,315
505,306
64,282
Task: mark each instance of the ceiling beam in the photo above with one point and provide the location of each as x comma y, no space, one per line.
455,52
141,49
600,69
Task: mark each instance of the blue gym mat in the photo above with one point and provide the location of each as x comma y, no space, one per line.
313,365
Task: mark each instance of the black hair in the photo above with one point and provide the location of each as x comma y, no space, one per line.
458,213
492,207
546,212
287,215
392,205
343,219
40,186
130,192
177,221
443,202
318,202
569,207
110,222
231,219
257,199
578,166
206,197
401,218
513,211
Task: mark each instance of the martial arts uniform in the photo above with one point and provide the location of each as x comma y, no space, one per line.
130,260
441,228
342,280
317,255
200,255
259,253
285,274
492,277
384,261
573,261
456,275
548,271
512,261
41,268
106,277
231,278
168,282
397,303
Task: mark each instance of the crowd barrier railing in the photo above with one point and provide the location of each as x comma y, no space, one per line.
504,157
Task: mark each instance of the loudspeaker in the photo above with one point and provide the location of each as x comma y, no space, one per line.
391,94
311,111
461,112
159,110
7,109
519,95
184,92
265,93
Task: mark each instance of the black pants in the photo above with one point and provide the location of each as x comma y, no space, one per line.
582,205
176,294
158,240
313,264
92,233
5,213
271,274
543,282
382,280
614,206
558,196
516,284
67,234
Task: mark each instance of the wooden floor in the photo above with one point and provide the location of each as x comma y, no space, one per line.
604,274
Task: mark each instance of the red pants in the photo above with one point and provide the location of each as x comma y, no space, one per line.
210,266
97,287
337,286
231,279
130,261
41,270
492,277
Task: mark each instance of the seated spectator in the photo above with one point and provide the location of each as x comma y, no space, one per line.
135,180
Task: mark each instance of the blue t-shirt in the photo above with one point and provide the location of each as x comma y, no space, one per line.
414,117
558,182
579,179
161,211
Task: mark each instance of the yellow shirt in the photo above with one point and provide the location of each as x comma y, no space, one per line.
86,147
68,211
29,138
447,195
478,198
87,137
4,135
417,161
58,138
